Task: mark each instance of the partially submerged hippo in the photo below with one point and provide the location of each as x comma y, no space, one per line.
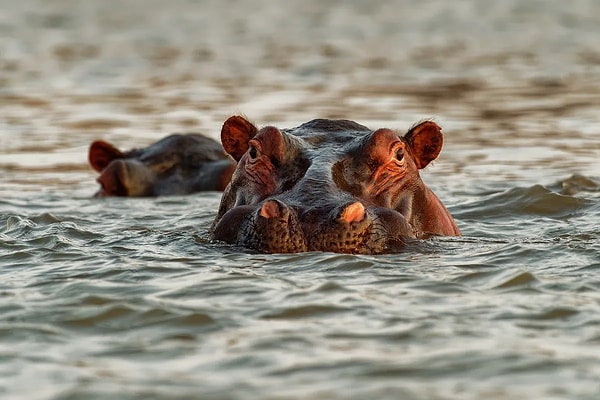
177,164
329,185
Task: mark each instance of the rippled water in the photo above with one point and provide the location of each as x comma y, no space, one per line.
127,299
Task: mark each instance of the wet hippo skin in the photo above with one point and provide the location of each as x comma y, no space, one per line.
329,185
177,164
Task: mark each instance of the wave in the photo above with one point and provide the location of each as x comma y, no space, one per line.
555,201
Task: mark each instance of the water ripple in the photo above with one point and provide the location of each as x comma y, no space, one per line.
537,200
129,299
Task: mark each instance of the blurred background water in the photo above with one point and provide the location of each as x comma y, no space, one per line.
127,299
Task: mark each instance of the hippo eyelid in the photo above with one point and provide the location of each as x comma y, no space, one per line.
252,152
399,154
398,150
254,148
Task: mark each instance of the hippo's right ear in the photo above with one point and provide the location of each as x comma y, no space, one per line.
426,141
235,135
101,154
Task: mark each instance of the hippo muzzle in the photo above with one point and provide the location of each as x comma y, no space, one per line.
274,227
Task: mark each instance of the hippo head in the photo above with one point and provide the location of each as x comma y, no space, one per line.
329,185
177,164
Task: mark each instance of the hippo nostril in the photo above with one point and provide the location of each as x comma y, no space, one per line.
270,210
354,212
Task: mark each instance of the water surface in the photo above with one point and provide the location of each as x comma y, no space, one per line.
128,299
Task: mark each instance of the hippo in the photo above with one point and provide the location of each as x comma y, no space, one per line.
177,164
329,185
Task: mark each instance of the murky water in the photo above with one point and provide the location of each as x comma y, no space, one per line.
127,299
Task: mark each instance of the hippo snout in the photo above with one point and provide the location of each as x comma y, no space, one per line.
357,229
275,227
125,178
272,227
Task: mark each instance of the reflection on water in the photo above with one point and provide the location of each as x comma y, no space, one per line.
128,299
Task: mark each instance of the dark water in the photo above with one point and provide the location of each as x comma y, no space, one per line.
127,299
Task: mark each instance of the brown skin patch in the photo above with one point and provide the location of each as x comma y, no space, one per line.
269,142
266,151
379,147
235,135
385,152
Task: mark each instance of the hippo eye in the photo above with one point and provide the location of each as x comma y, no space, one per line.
399,154
253,152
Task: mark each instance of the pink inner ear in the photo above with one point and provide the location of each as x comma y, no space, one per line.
426,141
235,135
101,154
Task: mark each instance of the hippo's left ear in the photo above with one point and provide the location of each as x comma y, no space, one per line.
425,141
102,153
235,135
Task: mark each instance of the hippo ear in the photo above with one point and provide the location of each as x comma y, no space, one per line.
425,140
101,154
235,135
